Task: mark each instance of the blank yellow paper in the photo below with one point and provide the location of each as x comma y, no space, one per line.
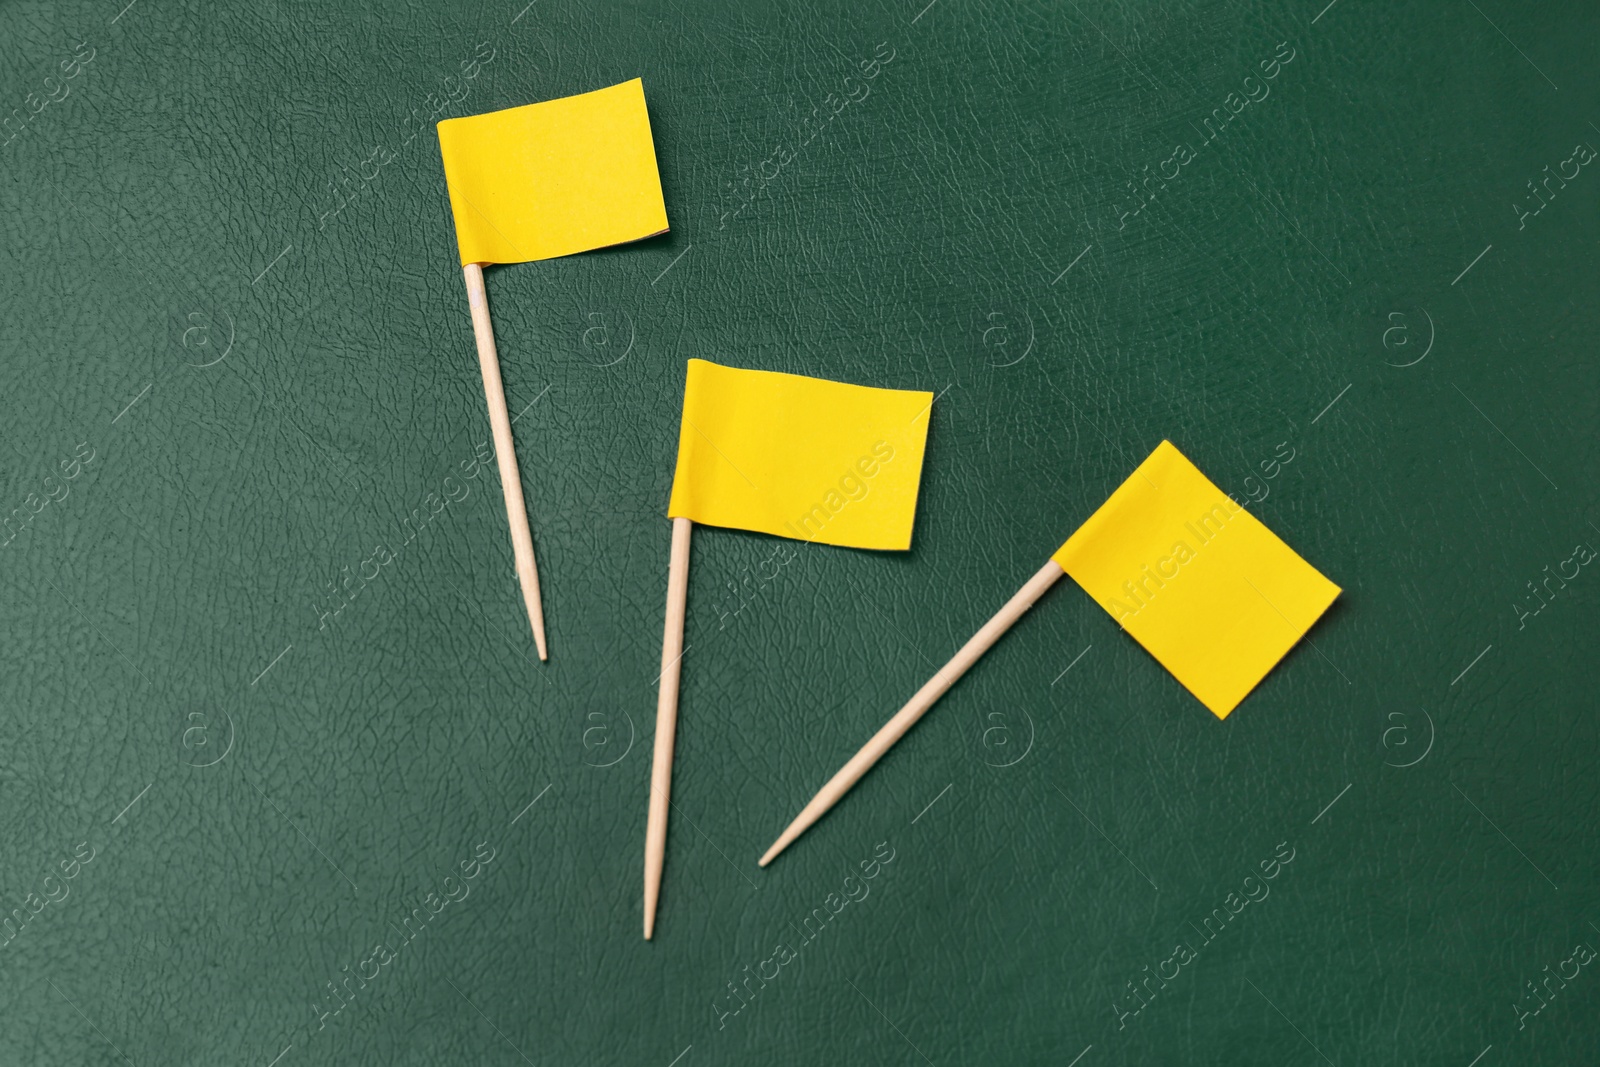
551,179
1197,580
800,457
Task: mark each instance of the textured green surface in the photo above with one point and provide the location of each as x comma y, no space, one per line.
298,783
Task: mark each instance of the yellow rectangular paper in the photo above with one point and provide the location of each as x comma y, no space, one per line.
800,457
551,179
1197,580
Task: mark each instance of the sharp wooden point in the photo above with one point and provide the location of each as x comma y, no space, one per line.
536,619
777,847
651,896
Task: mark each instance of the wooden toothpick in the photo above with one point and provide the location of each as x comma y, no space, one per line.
505,454
655,837
907,716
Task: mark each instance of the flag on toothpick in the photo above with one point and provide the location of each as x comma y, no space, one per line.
786,455
1208,590
537,182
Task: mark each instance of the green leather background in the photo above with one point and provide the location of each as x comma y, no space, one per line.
281,400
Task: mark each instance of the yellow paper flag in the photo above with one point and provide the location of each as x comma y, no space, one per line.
551,179
799,457
1197,580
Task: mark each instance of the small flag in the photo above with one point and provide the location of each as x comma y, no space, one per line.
537,182
1208,590
800,457
554,178
1203,586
